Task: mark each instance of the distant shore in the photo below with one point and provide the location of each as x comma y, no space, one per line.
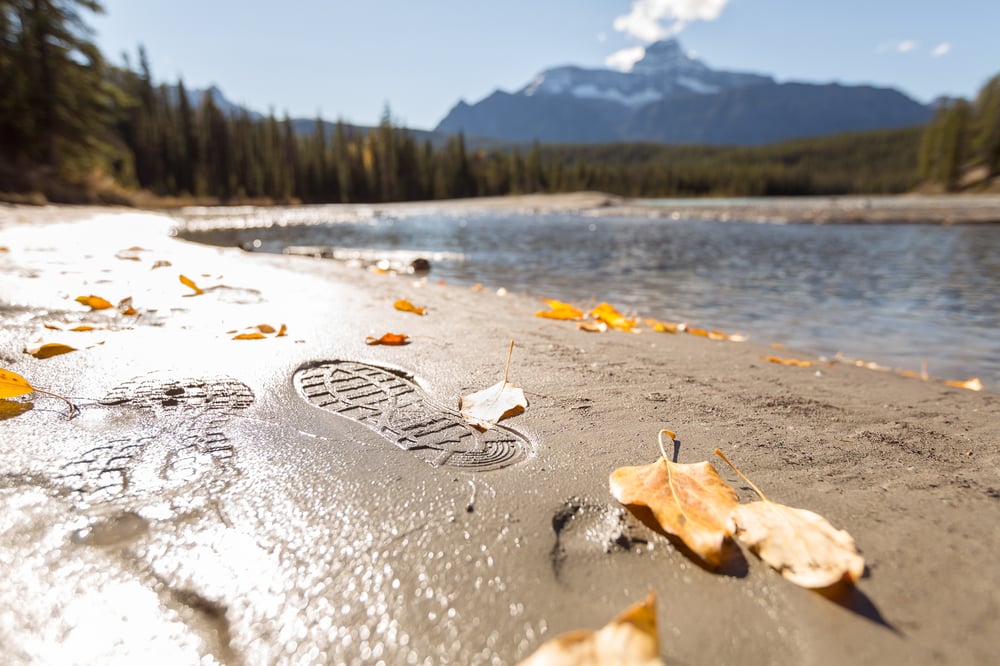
895,209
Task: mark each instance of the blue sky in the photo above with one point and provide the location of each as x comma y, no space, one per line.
347,58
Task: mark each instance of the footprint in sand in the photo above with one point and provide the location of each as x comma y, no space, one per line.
174,437
390,403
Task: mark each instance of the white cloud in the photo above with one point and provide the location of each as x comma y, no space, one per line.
645,20
625,59
900,46
941,49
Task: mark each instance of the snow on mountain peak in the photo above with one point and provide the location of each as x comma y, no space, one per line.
665,70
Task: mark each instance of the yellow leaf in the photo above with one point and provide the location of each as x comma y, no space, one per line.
560,310
391,339
787,361
93,302
484,408
49,350
630,639
608,314
663,326
592,326
13,384
973,384
282,332
803,546
81,328
188,282
406,306
690,501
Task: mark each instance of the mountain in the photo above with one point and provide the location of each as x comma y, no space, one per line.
671,97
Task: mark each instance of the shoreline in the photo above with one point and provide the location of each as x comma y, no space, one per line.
292,533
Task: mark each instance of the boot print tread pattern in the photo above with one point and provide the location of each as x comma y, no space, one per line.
391,404
183,441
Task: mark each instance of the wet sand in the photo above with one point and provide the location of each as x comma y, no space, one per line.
224,499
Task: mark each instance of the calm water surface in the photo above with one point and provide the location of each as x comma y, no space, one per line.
894,294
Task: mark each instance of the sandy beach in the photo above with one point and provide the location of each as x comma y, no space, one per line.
249,502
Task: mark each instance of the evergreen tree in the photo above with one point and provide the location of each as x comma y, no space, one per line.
58,103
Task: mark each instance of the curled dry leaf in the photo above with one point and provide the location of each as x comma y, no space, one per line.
93,302
188,282
630,639
803,546
404,305
665,326
560,310
390,339
483,409
596,326
786,361
609,315
125,307
259,332
973,384
49,349
690,501
160,263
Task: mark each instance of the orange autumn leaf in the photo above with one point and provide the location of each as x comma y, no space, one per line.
160,263
390,339
973,384
282,332
609,315
405,306
93,302
560,310
664,326
81,328
253,335
801,545
188,282
690,501
49,349
630,639
265,328
786,361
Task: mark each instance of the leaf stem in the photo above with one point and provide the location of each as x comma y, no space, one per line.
742,475
506,370
659,439
72,407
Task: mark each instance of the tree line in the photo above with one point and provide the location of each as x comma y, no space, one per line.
70,117
962,142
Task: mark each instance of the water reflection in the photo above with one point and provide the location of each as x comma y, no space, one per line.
896,294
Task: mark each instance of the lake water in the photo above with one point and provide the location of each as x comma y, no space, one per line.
894,294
